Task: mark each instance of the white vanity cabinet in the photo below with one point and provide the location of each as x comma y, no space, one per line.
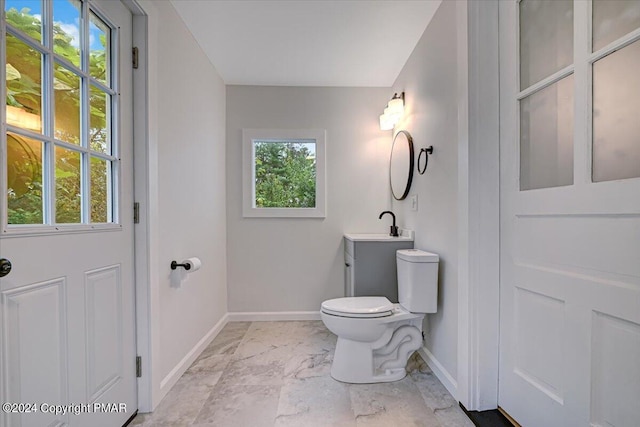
370,264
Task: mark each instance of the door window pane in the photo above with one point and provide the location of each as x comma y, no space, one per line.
99,120
24,90
100,49
616,120
546,39
24,180
66,86
68,191
546,137
26,16
100,190
66,30
613,19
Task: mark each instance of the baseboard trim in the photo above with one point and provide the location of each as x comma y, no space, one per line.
172,378
271,316
439,370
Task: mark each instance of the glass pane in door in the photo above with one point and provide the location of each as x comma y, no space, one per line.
24,85
616,117
546,137
613,19
25,16
100,49
546,39
68,190
66,87
100,190
99,120
66,30
24,180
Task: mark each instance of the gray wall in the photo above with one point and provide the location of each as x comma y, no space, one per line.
429,79
279,264
191,189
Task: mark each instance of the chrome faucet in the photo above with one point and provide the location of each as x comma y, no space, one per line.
394,228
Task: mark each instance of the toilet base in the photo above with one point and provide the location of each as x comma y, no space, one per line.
389,377
353,363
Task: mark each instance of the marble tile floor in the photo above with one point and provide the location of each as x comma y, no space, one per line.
277,374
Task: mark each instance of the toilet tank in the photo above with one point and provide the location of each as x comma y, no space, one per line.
417,280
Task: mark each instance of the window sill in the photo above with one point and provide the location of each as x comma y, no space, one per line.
283,213
55,230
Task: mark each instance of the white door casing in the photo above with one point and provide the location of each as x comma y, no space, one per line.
67,315
570,264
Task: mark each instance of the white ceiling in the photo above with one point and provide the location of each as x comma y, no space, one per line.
305,42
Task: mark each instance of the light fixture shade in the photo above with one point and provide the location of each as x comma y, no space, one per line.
391,116
396,107
385,122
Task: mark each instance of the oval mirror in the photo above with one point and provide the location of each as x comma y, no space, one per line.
401,165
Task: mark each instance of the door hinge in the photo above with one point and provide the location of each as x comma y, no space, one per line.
138,366
136,213
134,53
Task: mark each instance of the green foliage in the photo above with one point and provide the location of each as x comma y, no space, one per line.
285,175
68,194
24,173
23,70
27,23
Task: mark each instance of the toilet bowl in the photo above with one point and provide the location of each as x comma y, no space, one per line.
377,337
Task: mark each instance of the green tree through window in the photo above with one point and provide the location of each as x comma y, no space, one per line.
285,174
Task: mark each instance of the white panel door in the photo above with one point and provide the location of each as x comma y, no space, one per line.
67,307
570,213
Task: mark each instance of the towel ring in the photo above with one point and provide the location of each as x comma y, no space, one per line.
426,152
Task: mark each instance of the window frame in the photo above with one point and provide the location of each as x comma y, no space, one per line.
48,138
249,210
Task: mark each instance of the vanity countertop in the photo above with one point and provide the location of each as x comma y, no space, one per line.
378,237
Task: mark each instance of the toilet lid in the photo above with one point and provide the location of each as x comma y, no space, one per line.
358,307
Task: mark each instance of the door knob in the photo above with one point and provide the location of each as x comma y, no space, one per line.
5,267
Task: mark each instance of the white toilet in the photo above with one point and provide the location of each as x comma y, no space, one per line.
375,336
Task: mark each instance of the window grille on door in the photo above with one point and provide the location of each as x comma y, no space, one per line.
60,117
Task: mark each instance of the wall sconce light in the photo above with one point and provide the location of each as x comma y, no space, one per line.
393,113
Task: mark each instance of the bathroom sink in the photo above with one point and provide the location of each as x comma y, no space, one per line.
379,237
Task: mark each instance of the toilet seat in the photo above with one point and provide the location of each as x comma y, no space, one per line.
358,307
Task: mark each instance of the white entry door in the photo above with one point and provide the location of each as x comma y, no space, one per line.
570,212
67,306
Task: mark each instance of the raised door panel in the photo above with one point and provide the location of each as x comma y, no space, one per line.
34,354
104,330
539,340
615,371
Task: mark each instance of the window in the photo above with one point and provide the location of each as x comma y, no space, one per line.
61,163
283,173
546,97
559,83
615,63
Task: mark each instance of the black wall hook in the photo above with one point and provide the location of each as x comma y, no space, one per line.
426,152
174,265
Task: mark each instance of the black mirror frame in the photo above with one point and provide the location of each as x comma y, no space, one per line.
411,165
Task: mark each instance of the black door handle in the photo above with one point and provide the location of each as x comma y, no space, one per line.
5,267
